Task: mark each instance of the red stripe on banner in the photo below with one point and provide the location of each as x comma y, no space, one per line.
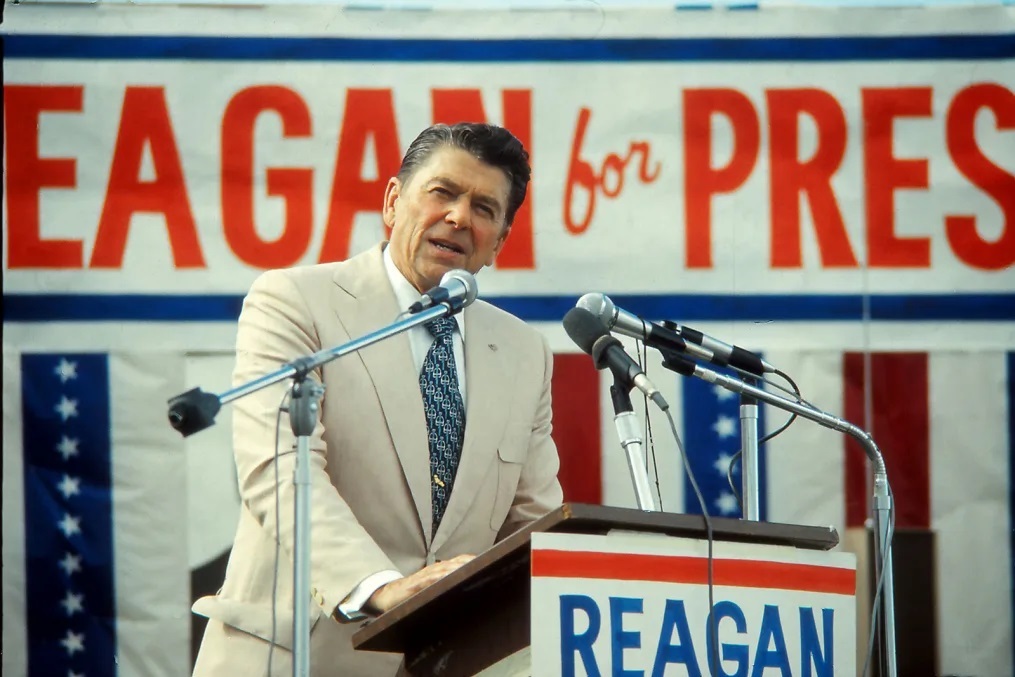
737,573
576,426
901,429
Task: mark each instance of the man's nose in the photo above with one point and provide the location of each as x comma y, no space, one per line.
460,213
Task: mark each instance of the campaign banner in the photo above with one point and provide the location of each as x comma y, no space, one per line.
623,604
781,165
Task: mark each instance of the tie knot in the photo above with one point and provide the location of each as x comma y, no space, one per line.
442,328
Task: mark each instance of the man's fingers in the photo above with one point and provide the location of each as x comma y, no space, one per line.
395,592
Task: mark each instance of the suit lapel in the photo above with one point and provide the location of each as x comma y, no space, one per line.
369,304
488,378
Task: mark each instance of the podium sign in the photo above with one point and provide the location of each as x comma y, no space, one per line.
636,604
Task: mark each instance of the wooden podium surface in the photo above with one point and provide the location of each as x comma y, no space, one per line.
479,613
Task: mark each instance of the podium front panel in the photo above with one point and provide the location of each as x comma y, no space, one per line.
639,604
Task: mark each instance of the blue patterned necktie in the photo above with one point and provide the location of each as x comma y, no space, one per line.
445,413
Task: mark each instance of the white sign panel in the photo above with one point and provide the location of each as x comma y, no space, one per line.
639,605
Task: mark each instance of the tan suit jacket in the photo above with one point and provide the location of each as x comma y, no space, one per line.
370,461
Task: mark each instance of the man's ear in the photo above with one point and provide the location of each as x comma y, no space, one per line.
499,245
391,193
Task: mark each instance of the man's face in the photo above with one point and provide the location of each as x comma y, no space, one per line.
449,214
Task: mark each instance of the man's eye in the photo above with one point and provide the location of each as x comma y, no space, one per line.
442,191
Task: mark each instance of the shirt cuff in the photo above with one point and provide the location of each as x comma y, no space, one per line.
350,609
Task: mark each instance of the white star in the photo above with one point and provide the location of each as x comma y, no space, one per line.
70,525
722,464
725,426
74,641
722,394
72,603
727,503
66,408
66,370
70,563
68,447
69,486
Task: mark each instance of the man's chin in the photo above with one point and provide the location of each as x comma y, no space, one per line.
438,269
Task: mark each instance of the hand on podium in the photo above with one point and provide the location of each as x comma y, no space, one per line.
391,594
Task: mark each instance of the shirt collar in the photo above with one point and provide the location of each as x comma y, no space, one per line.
405,293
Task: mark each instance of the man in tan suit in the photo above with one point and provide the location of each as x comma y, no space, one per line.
377,533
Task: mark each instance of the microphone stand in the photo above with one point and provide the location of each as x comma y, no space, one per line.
631,440
749,455
882,499
195,410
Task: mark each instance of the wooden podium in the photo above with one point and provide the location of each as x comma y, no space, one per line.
479,614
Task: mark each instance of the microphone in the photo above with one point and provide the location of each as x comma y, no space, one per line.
587,332
672,336
457,289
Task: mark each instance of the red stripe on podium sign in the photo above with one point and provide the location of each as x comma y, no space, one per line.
737,573
576,427
901,429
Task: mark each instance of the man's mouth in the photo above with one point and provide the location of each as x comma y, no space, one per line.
447,246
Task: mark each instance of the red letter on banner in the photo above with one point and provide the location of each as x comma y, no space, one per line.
580,174
984,174
368,113
884,173
28,174
701,179
144,121
466,105
790,176
293,185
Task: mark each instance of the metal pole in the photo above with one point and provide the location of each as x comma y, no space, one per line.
883,566
303,410
749,456
631,440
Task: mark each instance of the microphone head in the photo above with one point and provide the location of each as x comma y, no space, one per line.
601,307
599,348
464,278
584,328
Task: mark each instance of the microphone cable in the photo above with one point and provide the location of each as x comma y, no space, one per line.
712,624
740,452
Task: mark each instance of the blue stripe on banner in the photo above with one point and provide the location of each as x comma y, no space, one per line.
1010,377
711,438
681,307
71,625
200,48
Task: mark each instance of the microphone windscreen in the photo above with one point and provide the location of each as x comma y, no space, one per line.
584,328
599,348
